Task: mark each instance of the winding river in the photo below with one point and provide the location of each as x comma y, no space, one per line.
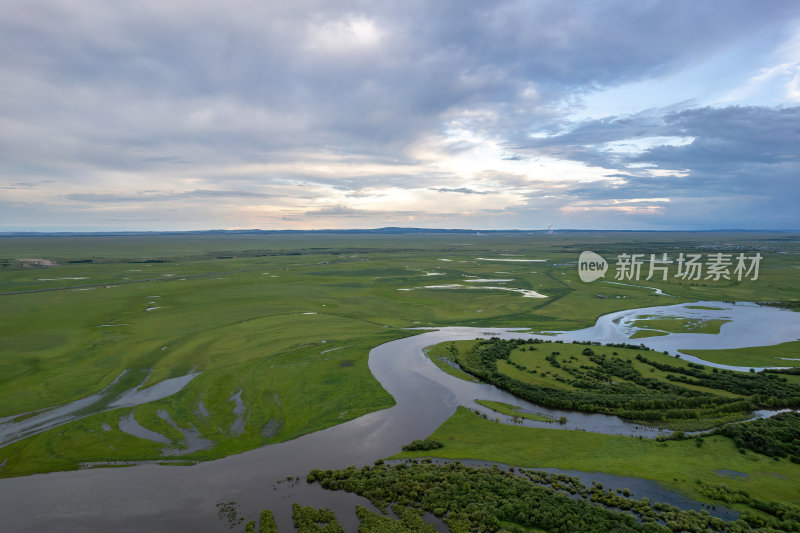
172,499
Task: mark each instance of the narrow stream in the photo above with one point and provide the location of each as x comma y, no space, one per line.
17,427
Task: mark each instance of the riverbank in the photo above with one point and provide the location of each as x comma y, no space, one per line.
171,498
677,465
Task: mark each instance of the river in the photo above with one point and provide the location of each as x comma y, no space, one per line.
173,499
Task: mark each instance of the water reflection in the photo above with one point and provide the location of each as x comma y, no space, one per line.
173,499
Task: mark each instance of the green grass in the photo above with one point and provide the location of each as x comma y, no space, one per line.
658,357
643,333
675,464
540,379
571,357
514,410
679,325
64,448
441,353
333,393
546,374
232,307
704,307
785,354
529,364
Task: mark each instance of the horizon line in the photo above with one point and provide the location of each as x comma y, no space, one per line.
381,230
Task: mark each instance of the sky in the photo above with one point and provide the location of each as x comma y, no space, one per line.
192,115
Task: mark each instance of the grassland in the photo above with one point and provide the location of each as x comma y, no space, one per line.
288,320
677,325
642,385
784,354
514,410
678,465
443,356
644,333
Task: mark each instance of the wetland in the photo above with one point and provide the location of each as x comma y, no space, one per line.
296,354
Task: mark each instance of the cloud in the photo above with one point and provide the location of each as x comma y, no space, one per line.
347,35
461,190
753,150
731,136
150,196
16,186
344,211
270,106
338,211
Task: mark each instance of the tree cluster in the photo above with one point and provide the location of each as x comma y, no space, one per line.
424,444
776,516
596,387
492,499
409,521
307,520
778,436
765,389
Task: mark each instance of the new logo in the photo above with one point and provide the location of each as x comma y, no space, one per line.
591,266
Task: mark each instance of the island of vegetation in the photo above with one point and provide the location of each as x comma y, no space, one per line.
629,381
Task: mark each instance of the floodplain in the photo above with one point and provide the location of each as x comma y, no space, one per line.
275,331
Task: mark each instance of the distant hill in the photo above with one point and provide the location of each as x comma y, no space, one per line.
373,231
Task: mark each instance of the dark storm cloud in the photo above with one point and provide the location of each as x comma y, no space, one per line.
729,137
739,169
721,135
594,132
742,150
